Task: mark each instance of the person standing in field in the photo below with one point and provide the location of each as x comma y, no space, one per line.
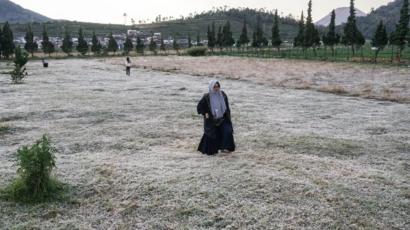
128,66
218,128
45,62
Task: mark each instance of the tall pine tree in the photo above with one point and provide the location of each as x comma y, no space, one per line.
153,45
227,39
162,46
175,44
140,46
95,45
189,41
47,45
311,38
254,43
243,38
259,39
352,36
380,39
1,41
219,38
7,41
331,38
112,44
402,29
82,46
211,37
198,40
67,46
300,37
31,46
128,46
276,40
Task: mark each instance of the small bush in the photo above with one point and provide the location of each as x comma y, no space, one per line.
20,60
197,51
35,165
4,128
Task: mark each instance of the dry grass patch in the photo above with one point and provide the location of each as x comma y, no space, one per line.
393,95
336,78
335,89
314,145
4,129
12,118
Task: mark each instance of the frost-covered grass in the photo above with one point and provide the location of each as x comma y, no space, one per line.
127,148
359,80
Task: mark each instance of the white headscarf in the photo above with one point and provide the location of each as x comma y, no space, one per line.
217,100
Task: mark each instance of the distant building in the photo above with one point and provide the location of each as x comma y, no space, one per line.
132,33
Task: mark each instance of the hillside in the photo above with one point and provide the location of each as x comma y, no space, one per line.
341,16
179,28
200,22
389,13
57,27
14,13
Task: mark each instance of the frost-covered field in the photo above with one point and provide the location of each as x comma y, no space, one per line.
127,147
366,81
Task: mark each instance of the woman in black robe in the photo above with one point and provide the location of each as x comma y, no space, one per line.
218,129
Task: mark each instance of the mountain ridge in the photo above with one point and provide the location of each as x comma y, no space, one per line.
342,13
14,13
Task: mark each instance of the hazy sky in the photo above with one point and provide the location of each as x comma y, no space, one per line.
111,11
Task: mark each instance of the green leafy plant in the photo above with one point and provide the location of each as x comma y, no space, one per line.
197,51
34,182
20,60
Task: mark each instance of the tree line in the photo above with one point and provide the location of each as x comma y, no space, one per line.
7,46
308,36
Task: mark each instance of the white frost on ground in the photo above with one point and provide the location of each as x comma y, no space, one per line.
362,80
127,146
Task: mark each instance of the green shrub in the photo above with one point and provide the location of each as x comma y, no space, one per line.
197,51
20,60
35,165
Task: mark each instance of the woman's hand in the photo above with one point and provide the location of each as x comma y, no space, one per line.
206,115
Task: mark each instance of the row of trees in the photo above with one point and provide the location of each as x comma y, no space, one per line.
67,46
83,47
222,38
308,35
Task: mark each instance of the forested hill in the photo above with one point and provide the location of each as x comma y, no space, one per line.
179,28
200,22
389,13
14,13
57,28
194,24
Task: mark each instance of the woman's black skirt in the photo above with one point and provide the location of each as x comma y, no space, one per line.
218,138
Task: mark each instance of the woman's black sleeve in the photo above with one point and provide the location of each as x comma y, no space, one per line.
227,103
201,108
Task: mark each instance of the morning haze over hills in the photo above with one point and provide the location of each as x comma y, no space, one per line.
197,24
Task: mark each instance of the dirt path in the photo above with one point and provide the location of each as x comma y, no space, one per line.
305,159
